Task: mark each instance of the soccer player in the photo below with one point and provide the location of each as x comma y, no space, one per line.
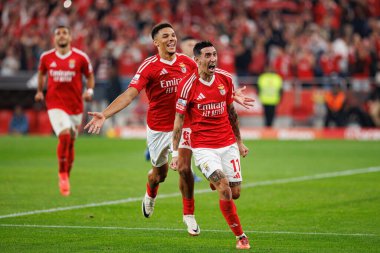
64,66
207,96
187,45
159,75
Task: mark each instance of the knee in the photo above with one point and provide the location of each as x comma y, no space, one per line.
157,177
225,192
235,192
161,177
185,172
235,195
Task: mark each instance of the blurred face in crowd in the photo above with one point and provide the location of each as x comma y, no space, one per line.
207,61
187,47
166,41
62,37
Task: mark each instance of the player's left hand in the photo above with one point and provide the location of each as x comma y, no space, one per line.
241,99
243,149
87,95
174,163
95,123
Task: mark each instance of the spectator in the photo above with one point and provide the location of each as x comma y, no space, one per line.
270,92
10,64
335,105
19,124
374,105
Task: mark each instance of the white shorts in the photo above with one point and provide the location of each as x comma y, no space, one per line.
60,120
226,159
185,139
159,146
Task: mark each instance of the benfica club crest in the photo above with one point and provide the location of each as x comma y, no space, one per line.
71,63
221,89
183,67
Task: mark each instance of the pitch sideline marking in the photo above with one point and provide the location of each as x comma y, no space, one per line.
164,196
177,229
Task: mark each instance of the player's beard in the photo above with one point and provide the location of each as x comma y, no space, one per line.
62,44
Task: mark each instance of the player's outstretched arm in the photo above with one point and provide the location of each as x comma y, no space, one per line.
242,99
177,131
234,121
121,102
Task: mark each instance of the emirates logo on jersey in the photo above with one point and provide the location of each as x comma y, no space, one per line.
183,67
71,63
221,89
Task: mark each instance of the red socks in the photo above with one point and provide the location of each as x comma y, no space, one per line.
71,155
62,152
188,206
228,209
151,192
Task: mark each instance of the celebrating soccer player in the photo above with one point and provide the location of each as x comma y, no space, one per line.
159,75
207,96
64,66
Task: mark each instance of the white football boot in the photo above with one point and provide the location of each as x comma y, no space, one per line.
192,225
148,205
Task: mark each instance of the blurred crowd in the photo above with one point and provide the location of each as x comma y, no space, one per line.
300,38
310,40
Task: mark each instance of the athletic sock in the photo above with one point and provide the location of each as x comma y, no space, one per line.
228,209
71,155
152,192
188,206
62,152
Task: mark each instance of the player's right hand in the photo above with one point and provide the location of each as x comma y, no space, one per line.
174,163
95,123
39,96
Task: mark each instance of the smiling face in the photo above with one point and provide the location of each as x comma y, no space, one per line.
166,41
62,37
207,61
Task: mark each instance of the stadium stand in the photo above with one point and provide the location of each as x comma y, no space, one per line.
310,43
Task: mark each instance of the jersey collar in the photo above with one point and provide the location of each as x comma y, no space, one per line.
207,83
169,62
63,56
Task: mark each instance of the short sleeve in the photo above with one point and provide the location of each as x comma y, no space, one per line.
42,64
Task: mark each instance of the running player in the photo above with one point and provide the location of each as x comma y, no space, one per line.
64,66
207,96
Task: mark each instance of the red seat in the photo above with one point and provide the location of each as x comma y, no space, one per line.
5,119
32,120
44,126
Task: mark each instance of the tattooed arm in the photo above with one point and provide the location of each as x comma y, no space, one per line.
234,121
177,131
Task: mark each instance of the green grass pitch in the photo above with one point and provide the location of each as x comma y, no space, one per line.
297,196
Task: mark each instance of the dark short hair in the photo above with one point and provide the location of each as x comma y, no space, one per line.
186,38
199,46
158,27
62,26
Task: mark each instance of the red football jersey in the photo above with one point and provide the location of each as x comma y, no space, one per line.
160,79
206,103
64,72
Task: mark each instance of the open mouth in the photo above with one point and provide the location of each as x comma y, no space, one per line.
171,45
211,67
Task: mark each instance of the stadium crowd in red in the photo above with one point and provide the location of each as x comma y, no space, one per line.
305,39
300,38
